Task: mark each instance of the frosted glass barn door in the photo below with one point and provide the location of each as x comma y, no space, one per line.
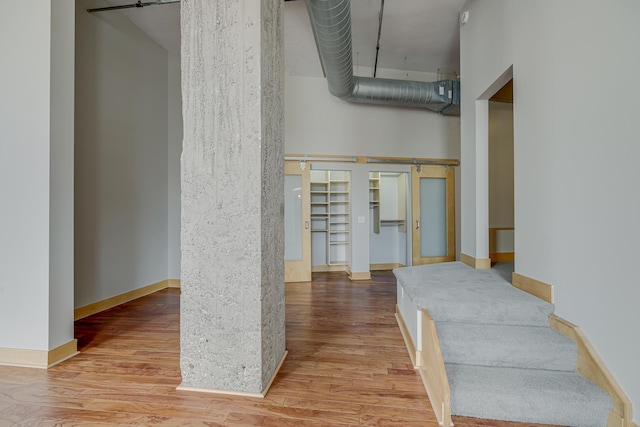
297,229
432,203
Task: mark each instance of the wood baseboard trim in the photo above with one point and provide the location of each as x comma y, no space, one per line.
173,283
534,287
62,353
223,392
114,301
383,267
260,395
591,366
477,263
24,358
42,359
329,268
360,275
502,257
406,336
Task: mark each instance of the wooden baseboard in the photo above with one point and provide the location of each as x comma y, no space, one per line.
97,307
534,287
477,263
406,336
173,283
329,268
502,257
259,395
38,358
360,275
591,366
62,353
383,267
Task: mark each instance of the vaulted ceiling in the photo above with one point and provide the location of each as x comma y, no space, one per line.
416,35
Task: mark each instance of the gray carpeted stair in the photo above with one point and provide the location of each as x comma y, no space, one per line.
455,292
536,396
505,345
503,361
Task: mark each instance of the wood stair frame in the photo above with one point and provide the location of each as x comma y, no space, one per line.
426,357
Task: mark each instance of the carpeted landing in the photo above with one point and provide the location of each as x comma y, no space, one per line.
502,359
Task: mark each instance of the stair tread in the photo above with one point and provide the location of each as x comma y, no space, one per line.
506,346
540,396
470,295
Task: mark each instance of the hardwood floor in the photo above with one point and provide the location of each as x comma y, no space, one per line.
347,366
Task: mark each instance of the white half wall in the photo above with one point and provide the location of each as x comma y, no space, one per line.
576,173
121,239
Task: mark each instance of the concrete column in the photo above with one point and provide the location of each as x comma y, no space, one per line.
232,303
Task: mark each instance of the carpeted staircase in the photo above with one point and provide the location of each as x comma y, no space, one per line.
502,360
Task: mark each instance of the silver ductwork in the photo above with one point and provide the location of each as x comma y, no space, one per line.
331,24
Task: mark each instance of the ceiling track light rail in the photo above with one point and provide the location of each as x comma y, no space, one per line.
137,4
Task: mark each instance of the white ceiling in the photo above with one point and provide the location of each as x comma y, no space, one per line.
417,35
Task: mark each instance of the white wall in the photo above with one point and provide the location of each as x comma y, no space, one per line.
61,257
121,158
36,255
174,124
318,123
576,174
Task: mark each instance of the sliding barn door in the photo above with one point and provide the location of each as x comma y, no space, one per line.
433,213
297,227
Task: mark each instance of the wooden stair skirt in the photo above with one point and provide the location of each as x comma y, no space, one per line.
426,357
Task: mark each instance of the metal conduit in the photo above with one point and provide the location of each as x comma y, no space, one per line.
331,24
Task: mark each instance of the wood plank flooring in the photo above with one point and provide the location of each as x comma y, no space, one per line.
347,366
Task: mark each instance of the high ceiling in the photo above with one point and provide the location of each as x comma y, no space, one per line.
416,35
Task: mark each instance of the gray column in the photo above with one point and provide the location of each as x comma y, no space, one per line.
232,303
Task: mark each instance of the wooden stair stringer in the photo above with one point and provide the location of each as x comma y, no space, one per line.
592,367
426,357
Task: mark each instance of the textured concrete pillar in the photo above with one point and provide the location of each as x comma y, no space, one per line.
232,303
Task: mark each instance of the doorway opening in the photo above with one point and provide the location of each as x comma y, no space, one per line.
501,176
388,206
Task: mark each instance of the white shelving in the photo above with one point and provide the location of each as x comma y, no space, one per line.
388,217
330,217
374,200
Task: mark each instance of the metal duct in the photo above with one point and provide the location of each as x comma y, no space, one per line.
331,24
